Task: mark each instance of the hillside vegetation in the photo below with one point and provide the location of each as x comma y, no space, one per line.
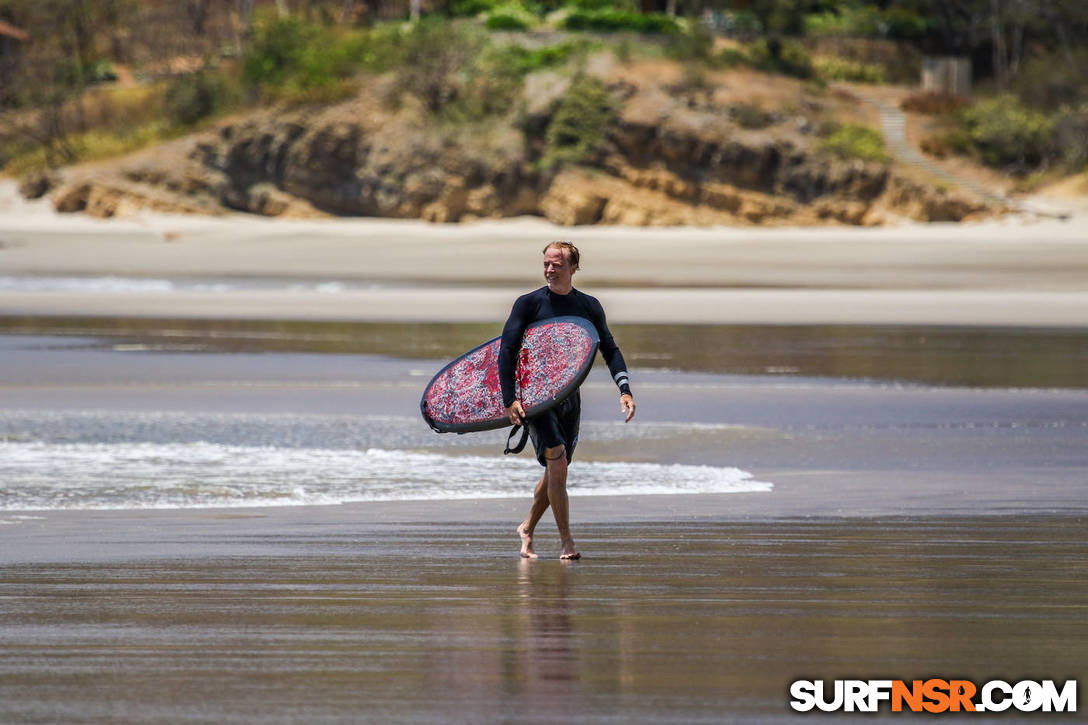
585,112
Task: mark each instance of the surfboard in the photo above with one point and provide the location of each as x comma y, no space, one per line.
555,357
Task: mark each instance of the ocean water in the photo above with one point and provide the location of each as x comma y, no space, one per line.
112,460
90,422
118,285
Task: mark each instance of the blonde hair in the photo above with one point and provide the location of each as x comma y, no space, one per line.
572,251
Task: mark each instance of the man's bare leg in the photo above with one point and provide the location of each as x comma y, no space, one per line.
556,459
527,527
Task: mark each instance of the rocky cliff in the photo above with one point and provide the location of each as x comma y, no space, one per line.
671,157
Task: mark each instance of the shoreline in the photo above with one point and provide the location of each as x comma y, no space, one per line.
968,308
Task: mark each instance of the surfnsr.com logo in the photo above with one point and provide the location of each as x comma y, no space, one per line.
933,696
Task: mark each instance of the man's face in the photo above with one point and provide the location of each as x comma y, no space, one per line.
557,268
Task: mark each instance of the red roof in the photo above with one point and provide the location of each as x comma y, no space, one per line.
13,32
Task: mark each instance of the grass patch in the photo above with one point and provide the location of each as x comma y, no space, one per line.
95,145
524,61
832,68
193,97
776,55
610,20
856,141
510,17
293,59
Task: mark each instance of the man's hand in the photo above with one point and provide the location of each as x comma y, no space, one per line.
627,405
516,413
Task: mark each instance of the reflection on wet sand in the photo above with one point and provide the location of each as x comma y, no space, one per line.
544,605
666,622
541,670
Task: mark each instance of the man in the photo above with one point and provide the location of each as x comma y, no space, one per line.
555,432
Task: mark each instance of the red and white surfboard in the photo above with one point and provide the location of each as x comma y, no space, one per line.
555,358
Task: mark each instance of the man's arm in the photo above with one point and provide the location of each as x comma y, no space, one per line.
610,351
512,332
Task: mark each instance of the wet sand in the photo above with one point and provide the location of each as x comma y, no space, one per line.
421,613
1009,357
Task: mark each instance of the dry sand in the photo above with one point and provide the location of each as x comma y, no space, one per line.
1012,272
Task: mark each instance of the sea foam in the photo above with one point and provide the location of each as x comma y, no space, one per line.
40,476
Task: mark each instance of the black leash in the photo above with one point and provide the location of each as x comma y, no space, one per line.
520,445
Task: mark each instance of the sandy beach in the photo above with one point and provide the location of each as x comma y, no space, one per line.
1011,272
897,419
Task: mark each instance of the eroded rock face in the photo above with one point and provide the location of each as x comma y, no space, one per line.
355,168
37,184
665,163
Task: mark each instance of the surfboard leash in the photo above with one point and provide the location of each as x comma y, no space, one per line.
520,445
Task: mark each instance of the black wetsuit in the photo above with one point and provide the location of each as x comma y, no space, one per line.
559,425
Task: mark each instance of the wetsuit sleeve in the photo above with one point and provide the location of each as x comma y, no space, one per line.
610,351
512,332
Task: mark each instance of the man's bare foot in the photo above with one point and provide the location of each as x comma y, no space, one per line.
526,543
570,553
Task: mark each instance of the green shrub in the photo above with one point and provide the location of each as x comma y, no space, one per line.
751,116
732,57
290,52
903,23
472,8
101,71
775,55
855,141
503,21
695,43
510,17
608,20
379,49
625,5
491,86
845,20
1006,134
1070,140
275,53
579,129
866,21
525,60
437,61
193,97
840,69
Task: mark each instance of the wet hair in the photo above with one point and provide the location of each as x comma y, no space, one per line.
572,251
